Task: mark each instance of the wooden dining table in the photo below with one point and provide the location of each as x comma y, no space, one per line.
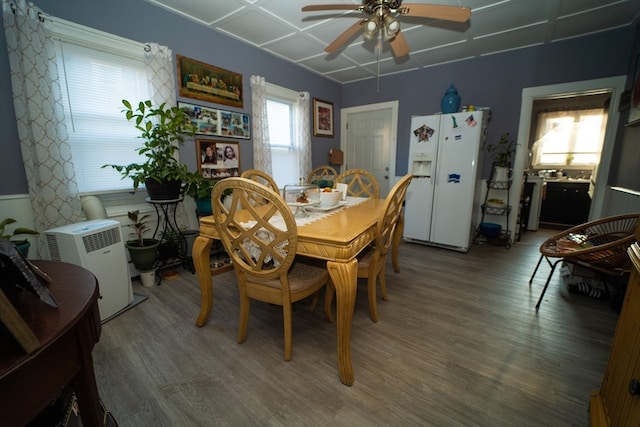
336,238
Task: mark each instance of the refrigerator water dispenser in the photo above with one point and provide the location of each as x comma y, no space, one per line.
421,164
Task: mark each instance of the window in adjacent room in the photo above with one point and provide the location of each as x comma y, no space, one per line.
568,138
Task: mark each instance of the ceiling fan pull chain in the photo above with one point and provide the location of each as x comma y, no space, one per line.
378,70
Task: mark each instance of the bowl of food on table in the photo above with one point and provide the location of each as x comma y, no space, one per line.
329,197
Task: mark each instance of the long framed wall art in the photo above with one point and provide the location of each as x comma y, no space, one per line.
209,83
215,122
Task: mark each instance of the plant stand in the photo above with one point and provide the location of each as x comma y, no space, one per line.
498,213
167,225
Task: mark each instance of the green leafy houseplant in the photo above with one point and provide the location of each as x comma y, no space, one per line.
22,244
19,231
200,190
502,151
163,130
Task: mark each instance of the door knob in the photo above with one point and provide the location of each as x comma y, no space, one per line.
634,387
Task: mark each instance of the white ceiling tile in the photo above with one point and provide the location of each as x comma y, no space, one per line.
282,29
201,10
255,27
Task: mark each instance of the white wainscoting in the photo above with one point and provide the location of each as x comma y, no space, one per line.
621,201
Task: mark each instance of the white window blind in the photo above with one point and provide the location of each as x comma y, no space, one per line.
284,147
95,75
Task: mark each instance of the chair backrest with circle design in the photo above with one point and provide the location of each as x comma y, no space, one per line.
323,176
256,246
261,177
360,183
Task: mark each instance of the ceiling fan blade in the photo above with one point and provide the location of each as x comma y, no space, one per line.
448,13
399,45
319,7
342,38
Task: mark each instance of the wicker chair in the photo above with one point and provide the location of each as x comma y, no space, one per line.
261,177
263,250
599,245
360,183
372,261
323,175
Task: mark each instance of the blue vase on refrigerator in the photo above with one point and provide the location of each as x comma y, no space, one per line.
450,102
443,199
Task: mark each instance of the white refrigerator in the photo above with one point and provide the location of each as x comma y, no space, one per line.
443,199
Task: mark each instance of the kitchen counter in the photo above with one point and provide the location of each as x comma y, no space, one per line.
566,202
570,180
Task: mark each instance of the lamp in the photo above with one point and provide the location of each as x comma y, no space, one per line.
391,26
371,27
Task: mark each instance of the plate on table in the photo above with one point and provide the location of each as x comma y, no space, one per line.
304,205
328,208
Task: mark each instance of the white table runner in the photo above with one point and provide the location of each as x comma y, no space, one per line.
278,222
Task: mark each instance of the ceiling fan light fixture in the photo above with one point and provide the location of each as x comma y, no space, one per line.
391,26
371,27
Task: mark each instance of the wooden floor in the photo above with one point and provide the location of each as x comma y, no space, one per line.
459,343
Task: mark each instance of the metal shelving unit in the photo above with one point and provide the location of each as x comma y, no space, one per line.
494,189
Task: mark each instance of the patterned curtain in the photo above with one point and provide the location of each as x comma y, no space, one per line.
260,126
40,119
159,61
161,78
303,130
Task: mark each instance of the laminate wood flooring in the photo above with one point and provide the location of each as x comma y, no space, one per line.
459,343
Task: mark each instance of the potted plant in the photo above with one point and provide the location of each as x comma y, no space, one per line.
142,251
200,190
163,130
501,153
22,244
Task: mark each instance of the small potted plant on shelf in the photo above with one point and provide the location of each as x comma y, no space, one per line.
22,244
163,130
142,251
502,153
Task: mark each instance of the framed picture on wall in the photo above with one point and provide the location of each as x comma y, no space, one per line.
218,159
215,122
207,120
208,83
634,109
322,118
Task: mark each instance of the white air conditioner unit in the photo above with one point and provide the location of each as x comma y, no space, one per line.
96,245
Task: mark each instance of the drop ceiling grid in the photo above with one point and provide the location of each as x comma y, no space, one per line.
280,28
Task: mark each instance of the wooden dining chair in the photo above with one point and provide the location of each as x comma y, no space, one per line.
323,175
261,177
372,262
262,248
360,183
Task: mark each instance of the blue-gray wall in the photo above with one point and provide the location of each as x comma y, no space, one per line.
138,20
494,81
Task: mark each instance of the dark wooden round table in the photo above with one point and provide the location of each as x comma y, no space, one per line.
67,334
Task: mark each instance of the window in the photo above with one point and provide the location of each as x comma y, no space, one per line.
96,72
569,138
285,149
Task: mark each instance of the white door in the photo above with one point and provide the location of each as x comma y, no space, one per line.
368,139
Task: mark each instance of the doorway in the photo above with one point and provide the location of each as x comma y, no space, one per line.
368,139
615,85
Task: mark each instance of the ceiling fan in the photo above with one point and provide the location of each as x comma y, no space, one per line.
383,19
